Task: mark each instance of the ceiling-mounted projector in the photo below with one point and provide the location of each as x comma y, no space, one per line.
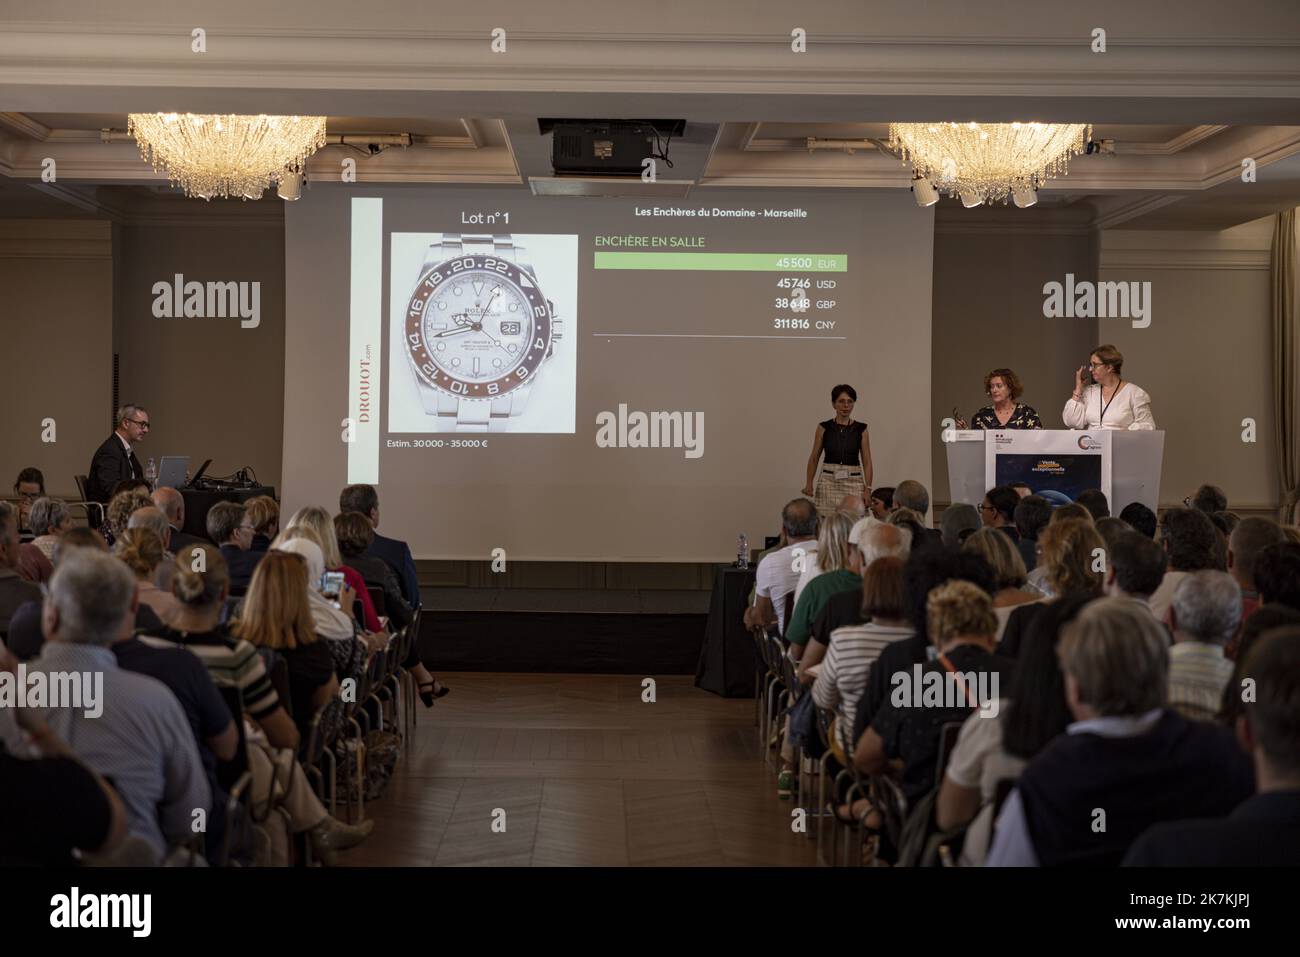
607,147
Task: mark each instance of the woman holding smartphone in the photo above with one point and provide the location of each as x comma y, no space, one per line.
846,468
1110,401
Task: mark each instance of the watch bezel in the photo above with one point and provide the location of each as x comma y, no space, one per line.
431,374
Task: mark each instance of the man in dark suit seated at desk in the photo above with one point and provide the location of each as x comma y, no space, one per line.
114,461
232,530
364,499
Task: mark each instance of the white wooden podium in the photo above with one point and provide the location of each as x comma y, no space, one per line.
1130,461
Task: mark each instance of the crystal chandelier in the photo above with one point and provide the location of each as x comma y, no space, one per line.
987,162
226,155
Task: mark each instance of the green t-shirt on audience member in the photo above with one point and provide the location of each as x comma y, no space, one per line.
813,599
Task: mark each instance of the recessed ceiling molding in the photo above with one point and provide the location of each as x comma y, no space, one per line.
24,125
1179,143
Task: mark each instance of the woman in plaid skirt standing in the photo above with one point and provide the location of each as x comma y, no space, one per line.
846,469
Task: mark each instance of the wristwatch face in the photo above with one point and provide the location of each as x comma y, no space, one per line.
477,326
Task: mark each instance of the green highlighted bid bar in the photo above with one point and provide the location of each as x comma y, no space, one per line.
726,262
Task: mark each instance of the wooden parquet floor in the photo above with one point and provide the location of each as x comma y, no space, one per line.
585,773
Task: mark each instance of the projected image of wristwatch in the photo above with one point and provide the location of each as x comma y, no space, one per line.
478,330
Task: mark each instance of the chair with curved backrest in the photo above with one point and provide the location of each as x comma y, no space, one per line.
94,510
235,778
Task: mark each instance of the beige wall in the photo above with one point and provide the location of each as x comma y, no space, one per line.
56,326
213,389
1205,358
989,270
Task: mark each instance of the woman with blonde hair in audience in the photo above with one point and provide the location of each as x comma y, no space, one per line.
1074,555
320,522
276,615
120,508
264,515
142,551
1008,567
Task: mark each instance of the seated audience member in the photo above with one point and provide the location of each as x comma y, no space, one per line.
1227,521
1265,619
957,524
998,510
845,608
172,504
835,576
1022,489
1070,550
142,551
346,644
140,739
48,519
152,518
1204,616
925,570
1125,754
1094,500
990,751
1264,830
201,589
853,505
1110,530
28,487
264,512
1248,539
1071,510
229,527
1004,558
908,727
127,498
52,805
25,636
912,494
854,648
1135,567
882,502
319,521
1208,499
778,572
354,533
364,499
1140,517
15,591
276,615
1277,574
1033,512
1192,542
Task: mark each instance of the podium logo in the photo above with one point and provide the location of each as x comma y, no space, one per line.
213,300
652,430
1098,300
1087,442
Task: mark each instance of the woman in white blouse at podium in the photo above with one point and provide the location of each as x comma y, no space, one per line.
1111,402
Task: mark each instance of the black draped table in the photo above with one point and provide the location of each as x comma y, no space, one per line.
727,660
199,501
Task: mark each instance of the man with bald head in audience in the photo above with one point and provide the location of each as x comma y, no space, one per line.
172,504
853,505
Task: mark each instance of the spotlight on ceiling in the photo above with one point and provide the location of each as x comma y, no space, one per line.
924,193
969,198
1024,196
290,188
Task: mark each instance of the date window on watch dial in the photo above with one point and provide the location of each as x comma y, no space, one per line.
510,328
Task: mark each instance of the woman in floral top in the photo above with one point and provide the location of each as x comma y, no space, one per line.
1004,388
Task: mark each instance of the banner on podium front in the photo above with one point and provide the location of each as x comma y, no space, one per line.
1057,464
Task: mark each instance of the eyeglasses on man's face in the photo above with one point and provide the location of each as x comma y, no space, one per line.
141,423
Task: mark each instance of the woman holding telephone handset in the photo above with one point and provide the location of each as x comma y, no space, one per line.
846,469
1110,401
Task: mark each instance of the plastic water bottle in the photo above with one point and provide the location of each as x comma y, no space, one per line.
151,472
742,551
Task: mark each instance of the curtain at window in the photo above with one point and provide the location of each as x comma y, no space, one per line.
1286,363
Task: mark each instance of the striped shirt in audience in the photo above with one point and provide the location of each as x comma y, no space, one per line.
843,674
231,661
1198,672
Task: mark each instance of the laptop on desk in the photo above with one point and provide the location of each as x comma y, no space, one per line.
172,472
